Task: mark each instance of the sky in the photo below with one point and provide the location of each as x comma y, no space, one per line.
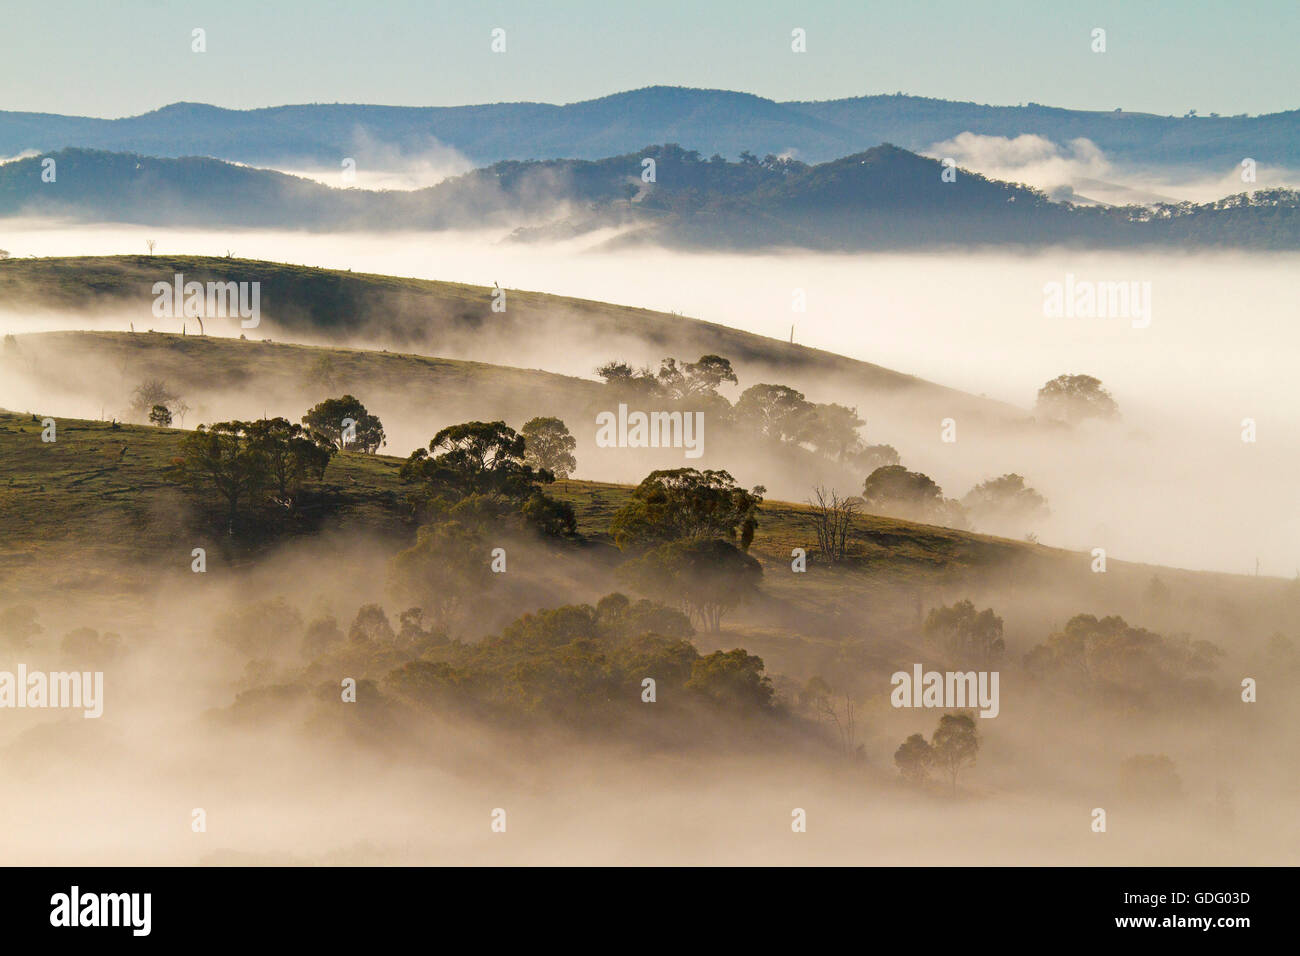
112,58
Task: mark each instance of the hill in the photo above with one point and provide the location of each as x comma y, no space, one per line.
213,379
456,321
883,198
90,517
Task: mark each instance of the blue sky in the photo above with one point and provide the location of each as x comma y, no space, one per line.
122,57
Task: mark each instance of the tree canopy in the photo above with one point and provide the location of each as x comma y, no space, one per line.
1076,398
707,576
345,422
893,490
669,505
264,461
1004,504
480,463
548,446
966,636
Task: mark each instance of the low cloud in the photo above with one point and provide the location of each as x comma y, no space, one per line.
382,165
1080,171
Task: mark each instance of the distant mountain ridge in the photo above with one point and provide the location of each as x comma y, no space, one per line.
710,121
883,198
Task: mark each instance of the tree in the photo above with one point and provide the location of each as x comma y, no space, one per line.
548,446
1110,657
694,379
776,412
4,253
160,416
292,457
261,628
707,576
669,505
371,626
894,490
475,458
1076,398
872,457
833,430
832,520
732,679
445,570
819,698
149,394
629,383
688,382
549,515
914,758
955,744
414,635
329,421
481,467
226,457
1004,504
964,635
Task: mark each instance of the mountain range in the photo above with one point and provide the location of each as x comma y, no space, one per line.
710,121
883,198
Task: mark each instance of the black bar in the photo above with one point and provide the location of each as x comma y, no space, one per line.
641,906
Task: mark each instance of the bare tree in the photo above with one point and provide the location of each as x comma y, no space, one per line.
148,394
832,519
834,708
150,243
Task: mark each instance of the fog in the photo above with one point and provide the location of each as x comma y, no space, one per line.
358,784
373,164
1172,483
289,773
1080,171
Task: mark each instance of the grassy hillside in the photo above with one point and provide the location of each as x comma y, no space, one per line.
92,514
277,373
453,319
99,485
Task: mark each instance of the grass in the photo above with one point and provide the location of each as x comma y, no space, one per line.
89,519
402,312
92,510
201,363
99,489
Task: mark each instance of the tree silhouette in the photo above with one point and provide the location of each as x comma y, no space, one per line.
955,744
